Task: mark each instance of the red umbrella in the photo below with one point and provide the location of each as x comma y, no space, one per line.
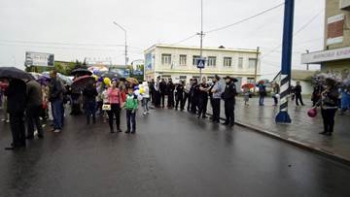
248,86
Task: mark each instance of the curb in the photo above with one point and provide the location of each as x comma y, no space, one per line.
302,145
320,151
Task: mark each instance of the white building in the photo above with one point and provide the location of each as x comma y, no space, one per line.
179,63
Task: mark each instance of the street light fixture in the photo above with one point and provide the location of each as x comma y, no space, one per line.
126,45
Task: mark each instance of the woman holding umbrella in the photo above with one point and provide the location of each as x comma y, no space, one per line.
114,99
329,106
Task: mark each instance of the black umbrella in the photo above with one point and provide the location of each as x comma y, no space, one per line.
15,73
81,72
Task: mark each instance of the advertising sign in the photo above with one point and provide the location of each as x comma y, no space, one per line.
39,59
148,61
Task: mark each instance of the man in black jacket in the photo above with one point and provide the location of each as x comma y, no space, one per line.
229,96
90,94
179,95
16,94
298,96
170,90
34,108
56,99
203,98
162,90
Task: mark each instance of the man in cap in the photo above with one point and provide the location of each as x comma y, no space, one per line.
229,96
216,90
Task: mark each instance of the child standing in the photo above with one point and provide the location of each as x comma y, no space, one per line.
131,104
247,95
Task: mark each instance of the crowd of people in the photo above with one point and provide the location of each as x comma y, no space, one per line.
196,96
28,104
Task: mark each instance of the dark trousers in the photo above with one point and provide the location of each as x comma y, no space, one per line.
162,99
216,110
114,112
194,104
131,120
180,100
188,99
202,106
58,114
90,110
33,120
171,99
156,98
298,98
275,100
230,112
17,129
328,119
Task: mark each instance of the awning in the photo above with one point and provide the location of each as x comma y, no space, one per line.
325,56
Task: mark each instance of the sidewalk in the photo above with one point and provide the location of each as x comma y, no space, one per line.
303,131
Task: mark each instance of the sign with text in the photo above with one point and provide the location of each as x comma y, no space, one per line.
39,59
325,56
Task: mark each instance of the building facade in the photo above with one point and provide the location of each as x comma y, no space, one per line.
180,63
335,58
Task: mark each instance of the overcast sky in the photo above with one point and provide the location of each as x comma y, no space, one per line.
75,29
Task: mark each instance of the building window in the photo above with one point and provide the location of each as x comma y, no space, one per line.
252,63
211,61
250,80
183,60
166,59
195,59
227,61
240,62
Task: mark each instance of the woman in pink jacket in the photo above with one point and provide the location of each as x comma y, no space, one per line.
115,100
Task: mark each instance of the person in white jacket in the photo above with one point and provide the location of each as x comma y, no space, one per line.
145,98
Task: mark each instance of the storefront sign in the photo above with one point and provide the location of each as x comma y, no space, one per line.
326,56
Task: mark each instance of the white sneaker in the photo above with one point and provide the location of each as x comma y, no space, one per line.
57,131
144,113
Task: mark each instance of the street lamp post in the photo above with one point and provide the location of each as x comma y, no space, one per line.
126,44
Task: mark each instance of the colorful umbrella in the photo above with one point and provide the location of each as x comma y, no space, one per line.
132,80
81,82
248,86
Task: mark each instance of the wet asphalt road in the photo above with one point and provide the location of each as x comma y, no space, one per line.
173,154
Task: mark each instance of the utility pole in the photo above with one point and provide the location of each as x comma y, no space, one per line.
201,41
256,67
307,65
126,44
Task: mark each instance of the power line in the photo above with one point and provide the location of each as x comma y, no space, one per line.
295,34
184,40
59,43
246,19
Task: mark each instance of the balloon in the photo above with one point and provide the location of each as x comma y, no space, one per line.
96,77
137,92
142,91
107,81
312,112
136,88
100,79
